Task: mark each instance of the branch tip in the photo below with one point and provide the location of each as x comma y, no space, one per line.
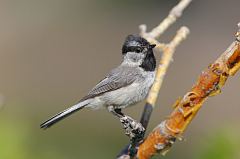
184,30
177,10
173,15
179,37
142,29
238,33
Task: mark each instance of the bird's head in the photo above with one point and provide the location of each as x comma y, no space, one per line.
136,49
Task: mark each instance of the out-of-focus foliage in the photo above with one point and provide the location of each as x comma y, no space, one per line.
19,142
222,144
23,140
219,144
16,142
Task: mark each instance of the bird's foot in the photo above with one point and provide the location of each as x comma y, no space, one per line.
134,129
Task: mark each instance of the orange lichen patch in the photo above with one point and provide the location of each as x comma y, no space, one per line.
208,84
233,62
164,137
176,123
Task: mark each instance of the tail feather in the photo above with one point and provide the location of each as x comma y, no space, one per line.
58,117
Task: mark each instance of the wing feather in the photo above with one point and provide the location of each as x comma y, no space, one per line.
117,78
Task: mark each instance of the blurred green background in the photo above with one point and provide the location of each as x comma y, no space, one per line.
53,51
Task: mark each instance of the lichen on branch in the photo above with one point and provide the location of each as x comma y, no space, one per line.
209,83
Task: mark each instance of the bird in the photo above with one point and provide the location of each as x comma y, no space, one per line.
123,86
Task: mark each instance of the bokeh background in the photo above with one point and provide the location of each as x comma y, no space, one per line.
53,51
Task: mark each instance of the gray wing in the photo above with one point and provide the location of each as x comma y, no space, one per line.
118,78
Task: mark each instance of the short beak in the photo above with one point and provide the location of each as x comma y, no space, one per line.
152,46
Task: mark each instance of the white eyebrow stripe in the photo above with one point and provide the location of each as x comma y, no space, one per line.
134,43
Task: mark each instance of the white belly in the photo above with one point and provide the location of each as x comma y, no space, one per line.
125,96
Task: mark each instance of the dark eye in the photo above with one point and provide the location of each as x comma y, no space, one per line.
138,49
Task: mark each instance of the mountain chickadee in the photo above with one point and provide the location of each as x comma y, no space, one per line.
125,85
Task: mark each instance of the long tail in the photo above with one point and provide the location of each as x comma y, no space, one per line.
58,117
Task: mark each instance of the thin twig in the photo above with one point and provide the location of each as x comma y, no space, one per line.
173,15
208,84
168,51
167,56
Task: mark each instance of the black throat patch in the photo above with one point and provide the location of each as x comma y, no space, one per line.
149,62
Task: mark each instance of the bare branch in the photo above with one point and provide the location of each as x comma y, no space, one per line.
208,84
173,15
168,51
